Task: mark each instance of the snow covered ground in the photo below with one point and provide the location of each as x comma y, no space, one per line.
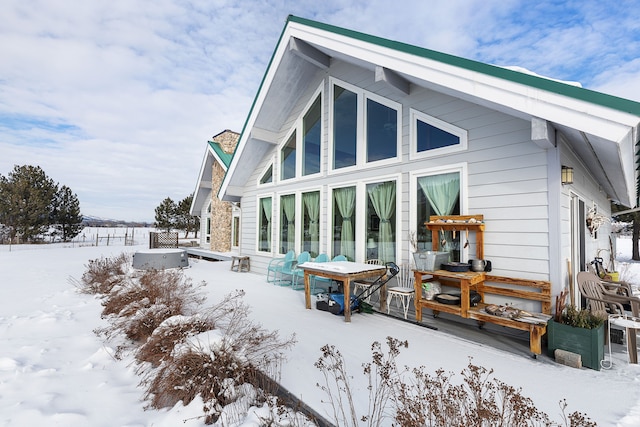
55,371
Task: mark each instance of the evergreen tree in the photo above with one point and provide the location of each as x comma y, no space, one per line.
166,215
67,218
26,201
184,220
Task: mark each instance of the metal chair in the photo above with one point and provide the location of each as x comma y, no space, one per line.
293,271
313,278
324,280
277,264
404,292
360,286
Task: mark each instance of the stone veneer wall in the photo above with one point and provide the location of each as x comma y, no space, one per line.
221,211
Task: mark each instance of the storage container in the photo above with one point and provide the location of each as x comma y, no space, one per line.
430,260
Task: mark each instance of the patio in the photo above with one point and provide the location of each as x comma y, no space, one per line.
447,342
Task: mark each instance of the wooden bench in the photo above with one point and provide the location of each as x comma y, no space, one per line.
521,289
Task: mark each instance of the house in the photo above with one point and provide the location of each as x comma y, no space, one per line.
354,141
219,221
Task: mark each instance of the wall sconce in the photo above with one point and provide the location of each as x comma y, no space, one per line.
566,175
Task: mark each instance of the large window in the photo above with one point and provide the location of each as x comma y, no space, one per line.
288,158
310,222
344,203
360,116
438,195
311,134
381,221
287,223
264,224
345,126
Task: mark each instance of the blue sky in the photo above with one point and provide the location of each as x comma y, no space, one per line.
116,99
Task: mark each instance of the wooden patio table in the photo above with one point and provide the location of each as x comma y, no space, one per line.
343,271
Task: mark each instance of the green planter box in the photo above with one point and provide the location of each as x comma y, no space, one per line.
588,343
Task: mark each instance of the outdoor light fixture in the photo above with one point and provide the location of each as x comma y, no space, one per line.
566,175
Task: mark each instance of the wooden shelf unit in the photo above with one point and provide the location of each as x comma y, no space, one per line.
458,223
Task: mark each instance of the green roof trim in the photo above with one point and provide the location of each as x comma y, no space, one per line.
224,157
599,98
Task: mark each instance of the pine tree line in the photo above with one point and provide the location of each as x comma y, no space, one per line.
176,216
33,206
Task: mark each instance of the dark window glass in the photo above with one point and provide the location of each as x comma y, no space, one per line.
268,176
382,131
288,159
430,137
311,139
345,124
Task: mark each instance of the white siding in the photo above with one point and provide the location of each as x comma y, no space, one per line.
507,176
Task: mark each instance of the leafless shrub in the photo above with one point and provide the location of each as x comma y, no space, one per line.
415,398
170,333
215,365
141,305
184,350
102,274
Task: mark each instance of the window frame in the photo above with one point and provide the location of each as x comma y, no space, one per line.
298,128
360,225
462,134
361,128
259,197
270,164
461,169
300,124
300,212
291,135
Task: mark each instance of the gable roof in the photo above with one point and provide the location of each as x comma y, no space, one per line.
221,157
213,153
602,129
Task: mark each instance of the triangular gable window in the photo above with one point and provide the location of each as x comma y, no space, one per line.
432,137
267,178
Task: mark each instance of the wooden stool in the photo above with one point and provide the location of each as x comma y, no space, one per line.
240,263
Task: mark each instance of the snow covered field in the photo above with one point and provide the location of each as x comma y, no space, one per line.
55,371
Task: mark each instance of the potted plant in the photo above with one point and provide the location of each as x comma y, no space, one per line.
579,331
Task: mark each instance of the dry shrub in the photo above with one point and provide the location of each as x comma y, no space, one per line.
168,334
103,274
192,373
141,304
415,398
215,366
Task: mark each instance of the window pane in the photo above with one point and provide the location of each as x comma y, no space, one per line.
438,195
310,222
430,137
311,139
382,135
345,122
381,221
236,231
288,159
287,223
264,224
268,176
344,203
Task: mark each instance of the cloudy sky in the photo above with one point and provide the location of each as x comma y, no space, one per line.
117,98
